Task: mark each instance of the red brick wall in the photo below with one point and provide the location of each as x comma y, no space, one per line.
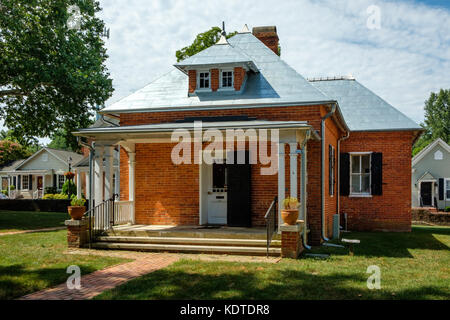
214,79
192,80
392,210
239,76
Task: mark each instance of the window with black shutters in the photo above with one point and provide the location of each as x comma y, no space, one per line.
331,165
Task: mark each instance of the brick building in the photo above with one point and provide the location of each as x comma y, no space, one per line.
336,145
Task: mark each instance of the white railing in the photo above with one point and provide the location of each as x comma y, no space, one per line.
38,194
12,194
122,212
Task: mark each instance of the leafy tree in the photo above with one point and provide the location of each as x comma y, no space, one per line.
202,41
437,120
11,151
30,144
52,72
61,140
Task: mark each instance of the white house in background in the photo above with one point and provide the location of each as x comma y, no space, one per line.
431,176
43,169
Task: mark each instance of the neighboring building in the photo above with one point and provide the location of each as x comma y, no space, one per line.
341,148
31,176
431,176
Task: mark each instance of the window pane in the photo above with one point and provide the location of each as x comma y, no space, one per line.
447,183
365,188
448,194
365,163
355,184
355,164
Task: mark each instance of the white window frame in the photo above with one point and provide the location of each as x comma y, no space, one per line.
23,184
209,80
445,188
221,79
45,157
361,194
58,181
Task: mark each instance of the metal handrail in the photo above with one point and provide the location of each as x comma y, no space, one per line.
271,222
100,218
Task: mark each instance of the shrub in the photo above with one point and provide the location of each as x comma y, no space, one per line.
290,203
51,190
12,187
447,209
5,192
77,202
57,196
69,187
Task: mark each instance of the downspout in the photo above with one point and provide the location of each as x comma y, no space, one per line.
338,202
322,193
303,194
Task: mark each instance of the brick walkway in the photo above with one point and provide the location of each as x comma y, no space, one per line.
32,231
95,283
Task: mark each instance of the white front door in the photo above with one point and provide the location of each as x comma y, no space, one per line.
217,195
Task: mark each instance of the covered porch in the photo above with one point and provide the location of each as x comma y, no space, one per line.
195,194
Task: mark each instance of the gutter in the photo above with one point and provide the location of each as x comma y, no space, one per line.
338,193
322,193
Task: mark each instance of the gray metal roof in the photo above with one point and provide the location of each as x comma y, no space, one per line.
276,83
218,54
11,166
64,155
362,109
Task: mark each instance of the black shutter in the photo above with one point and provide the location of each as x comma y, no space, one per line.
344,174
19,180
54,181
239,193
441,188
377,173
30,182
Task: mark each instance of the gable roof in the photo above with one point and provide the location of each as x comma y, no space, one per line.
276,83
61,155
428,148
362,109
427,176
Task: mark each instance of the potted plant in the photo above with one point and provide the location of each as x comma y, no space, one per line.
289,213
77,208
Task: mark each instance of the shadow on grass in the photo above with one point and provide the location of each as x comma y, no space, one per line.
174,283
391,244
16,280
29,220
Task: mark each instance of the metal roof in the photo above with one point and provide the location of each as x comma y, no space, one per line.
275,83
12,165
362,109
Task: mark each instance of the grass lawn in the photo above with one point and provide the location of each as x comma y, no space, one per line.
34,261
28,220
413,265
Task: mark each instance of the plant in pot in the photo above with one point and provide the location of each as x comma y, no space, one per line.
77,208
289,213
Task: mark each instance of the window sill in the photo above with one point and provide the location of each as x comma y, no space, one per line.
203,90
360,195
226,89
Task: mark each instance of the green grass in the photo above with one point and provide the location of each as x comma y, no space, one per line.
413,265
29,220
34,261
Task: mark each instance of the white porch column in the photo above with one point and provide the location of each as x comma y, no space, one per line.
98,175
131,182
87,184
116,181
78,173
293,169
281,181
303,183
109,169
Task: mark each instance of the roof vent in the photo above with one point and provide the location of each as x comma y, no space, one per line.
349,77
245,29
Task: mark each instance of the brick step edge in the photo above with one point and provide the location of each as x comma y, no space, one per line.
251,251
191,241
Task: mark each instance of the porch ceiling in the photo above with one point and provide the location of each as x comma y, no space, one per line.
164,130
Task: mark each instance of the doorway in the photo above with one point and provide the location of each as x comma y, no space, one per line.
39,182
217,194
426,193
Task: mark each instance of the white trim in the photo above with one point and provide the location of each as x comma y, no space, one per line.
433,186
445,189
361,194
428,148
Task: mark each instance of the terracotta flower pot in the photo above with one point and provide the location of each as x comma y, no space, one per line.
76,212
289,216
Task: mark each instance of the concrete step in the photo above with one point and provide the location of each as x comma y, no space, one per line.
191,241
252,251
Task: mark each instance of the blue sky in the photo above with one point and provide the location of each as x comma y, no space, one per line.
402,61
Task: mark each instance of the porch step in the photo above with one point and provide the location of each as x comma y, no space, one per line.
244,250
191,241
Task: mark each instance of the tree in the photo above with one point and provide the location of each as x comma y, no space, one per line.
202,41
11,151
437,120
31,144
61,140
52,72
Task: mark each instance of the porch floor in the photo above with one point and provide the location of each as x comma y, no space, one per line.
190,231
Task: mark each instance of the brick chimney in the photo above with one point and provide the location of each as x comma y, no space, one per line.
268,36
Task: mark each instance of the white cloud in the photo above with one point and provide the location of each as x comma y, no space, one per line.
402,62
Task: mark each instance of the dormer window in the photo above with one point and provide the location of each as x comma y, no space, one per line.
203,80
227,79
